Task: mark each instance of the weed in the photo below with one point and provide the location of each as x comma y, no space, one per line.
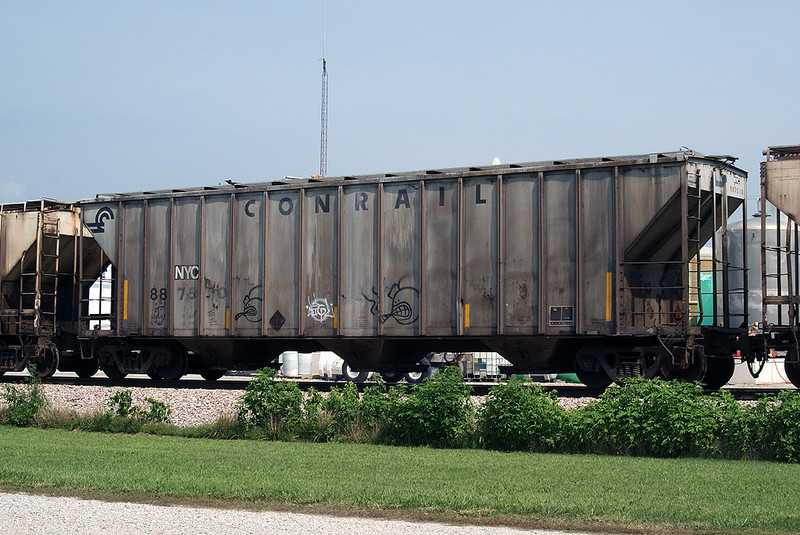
25,401
521,417
437,413
121,406
271,405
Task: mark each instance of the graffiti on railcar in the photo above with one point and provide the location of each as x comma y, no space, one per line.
319,309
402,300
251,305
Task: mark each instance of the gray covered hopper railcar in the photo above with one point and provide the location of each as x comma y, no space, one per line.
780,255
565,265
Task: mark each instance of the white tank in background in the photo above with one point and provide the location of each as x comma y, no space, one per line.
290,367
773,370
330,366
304,368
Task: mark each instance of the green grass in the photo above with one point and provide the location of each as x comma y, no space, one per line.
578,491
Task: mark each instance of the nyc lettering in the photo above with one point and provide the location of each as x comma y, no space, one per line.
185,273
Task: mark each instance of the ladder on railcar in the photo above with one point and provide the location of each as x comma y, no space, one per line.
783,301
38,281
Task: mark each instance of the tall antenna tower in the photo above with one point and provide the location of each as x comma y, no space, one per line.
323,145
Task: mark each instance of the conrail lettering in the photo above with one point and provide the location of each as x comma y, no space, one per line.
185,273
402,199
322,203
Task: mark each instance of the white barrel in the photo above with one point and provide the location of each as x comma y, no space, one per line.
304,364
290,364
316,369
324,366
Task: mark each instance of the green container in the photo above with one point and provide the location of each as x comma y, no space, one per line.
568,377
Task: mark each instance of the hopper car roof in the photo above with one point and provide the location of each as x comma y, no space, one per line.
682,155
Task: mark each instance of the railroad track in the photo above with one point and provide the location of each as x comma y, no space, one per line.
564,390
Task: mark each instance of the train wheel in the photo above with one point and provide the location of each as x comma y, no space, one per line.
174,364
418,377
47,361
413,378
85,368
110,368
212,375
353,376
689,371
719,371
152,374
792,372
591,372
391,378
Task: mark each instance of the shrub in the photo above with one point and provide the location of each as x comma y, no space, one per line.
25,401
649,417
275,407
378,405
437,412
521,417
121,406
778,421
335,416
741,428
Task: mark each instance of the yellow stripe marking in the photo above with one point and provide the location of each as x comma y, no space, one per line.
608,296
466,315
125,299
335,317
227,317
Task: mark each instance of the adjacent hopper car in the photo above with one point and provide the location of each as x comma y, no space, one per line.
588,266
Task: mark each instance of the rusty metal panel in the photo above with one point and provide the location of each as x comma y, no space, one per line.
17,234
185,266
131,281
479,256
400,280
156,266
782,185
521,255
440,250
215,266
597,253
560,250
360,301
320,259
247,292
283,263
646,189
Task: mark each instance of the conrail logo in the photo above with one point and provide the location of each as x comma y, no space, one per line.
186,273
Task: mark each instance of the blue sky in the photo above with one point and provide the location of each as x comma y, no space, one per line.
113,96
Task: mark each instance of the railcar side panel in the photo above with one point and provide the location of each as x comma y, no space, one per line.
215,266
597,261
440,250
520,225
360,300
400,260
479,255
156,263
559,241
131,249
283,264
247,289
320,262
185,266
